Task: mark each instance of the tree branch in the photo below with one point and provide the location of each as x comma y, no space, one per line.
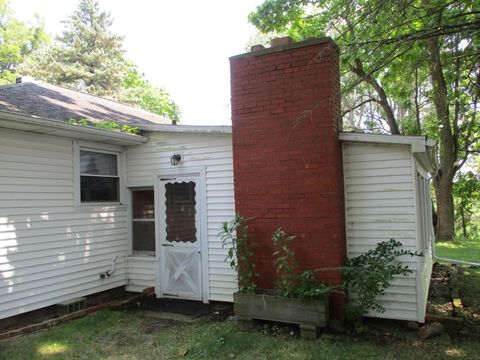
357,106
357,68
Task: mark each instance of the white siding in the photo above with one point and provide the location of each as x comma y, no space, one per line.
51,251
214,152
141,273
380,205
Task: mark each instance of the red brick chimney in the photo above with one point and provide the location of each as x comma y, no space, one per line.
287,158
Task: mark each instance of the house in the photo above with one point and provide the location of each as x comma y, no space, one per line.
84,209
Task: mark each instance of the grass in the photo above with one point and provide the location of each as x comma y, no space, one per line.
126,336
462,249
469,286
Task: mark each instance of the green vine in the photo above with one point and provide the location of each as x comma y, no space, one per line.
285,263
109,125
235,235
289,283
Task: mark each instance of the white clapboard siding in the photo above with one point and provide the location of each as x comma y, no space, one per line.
380,205
51,251
214,152
141,273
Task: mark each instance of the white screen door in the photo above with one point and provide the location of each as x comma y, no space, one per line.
180,257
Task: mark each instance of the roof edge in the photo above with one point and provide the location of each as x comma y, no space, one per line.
192,129
421,147
61,128
388,139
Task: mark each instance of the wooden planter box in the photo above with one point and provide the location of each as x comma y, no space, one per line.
309,314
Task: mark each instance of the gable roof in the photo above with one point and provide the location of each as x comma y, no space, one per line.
54,102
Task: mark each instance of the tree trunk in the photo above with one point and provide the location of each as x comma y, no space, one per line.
445,208
443,180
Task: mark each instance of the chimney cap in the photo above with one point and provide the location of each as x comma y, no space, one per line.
24,79
281,41
257,47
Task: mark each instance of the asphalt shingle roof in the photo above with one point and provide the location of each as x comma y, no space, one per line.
58,103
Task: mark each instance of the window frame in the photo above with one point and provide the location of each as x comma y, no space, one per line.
132,219
118,151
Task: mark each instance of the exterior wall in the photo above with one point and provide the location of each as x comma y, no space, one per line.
380,204
425,236
141,273
214,152
287,156
50,250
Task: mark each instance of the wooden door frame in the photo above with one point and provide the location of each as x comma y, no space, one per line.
198,172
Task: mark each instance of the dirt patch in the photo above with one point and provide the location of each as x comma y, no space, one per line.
214,311
440,297
448,283
151,326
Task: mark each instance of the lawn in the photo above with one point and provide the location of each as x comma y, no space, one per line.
127,336
469,283
462,249
119,335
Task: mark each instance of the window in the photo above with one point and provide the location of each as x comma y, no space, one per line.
143,222
99,179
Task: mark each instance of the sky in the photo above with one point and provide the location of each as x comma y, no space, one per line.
182,46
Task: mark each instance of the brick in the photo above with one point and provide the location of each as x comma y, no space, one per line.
287,157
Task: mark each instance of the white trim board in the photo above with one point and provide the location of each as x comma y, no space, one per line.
194,129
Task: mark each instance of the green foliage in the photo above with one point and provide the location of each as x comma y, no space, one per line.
412,73
368,275
137,90
309,288
87,56
285,263
108,125
289,283
466,192
17,42
130,129
235,236
390,49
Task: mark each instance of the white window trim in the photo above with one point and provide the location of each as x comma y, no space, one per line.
131,219
102,148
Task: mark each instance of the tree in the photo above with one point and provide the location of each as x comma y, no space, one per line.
89,57
413,62
137,90
17,42
466,190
